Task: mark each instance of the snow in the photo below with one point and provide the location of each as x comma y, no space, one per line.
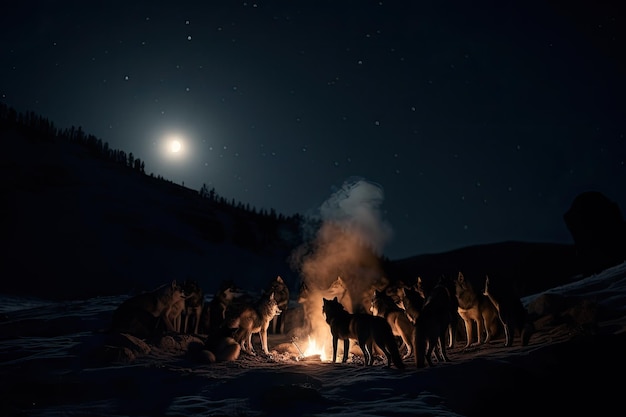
48,367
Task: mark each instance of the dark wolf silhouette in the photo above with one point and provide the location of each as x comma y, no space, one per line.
365,328
512,314
432,325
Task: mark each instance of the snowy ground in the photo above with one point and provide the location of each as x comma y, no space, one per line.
48,368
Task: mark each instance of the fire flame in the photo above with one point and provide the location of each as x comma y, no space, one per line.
313,349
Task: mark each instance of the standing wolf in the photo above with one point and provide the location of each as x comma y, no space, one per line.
512,314
281,295
365,328
475,307
194,301
256,319
383,305
339,289
147,314
432,324
222,306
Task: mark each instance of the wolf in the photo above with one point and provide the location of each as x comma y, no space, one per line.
475,307
221,346
214,313
411,300
281,294
445,282
256,319
339,289
191,304
366,329
512,314
383,305
175,314
145,315
432,324
194,301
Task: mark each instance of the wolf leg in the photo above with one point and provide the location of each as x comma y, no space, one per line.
346,349
451,336
509,331
281,321
469,332
429,352
335,342
250,345
443,352
438,349
368,355
183,328
409,346
263,336
420,348
196,326
482,327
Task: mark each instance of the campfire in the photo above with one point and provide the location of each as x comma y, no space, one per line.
312,352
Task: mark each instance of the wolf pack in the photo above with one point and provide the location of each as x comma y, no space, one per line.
391,322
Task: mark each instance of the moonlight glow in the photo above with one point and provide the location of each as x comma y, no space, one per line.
174,146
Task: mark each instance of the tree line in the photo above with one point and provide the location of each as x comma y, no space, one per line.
252,227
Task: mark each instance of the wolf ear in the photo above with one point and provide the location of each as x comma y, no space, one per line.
279,279
173,283
335,299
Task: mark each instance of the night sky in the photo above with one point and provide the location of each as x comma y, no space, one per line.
454,123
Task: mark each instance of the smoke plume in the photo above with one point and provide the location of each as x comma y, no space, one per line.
348,243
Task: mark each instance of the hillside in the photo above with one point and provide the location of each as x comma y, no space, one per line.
530,267
79,225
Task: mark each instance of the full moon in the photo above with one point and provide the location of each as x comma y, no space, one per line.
175,146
